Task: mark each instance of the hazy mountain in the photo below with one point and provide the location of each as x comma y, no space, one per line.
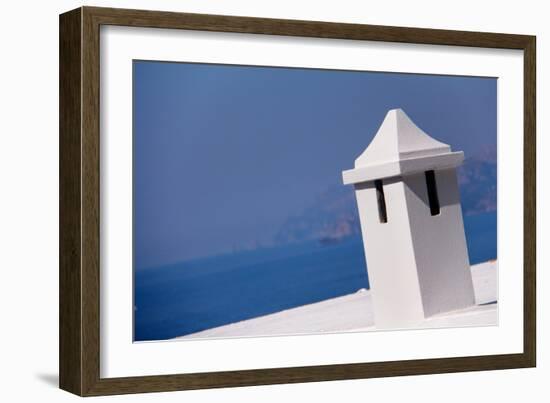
477,179
333,215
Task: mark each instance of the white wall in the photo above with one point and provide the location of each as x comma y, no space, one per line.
29,201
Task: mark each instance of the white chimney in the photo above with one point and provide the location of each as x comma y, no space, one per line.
411,222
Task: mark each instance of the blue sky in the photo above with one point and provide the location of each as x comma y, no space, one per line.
223,155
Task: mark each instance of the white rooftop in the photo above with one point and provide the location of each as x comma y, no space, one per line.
400,147
354,312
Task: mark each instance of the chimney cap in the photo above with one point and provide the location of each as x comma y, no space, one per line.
400,147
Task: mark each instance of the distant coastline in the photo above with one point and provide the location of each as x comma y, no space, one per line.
333,216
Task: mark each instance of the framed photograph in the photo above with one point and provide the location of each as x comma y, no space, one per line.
248,201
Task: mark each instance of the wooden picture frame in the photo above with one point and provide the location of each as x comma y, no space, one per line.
79,278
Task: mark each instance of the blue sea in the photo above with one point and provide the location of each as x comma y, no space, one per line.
191,296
